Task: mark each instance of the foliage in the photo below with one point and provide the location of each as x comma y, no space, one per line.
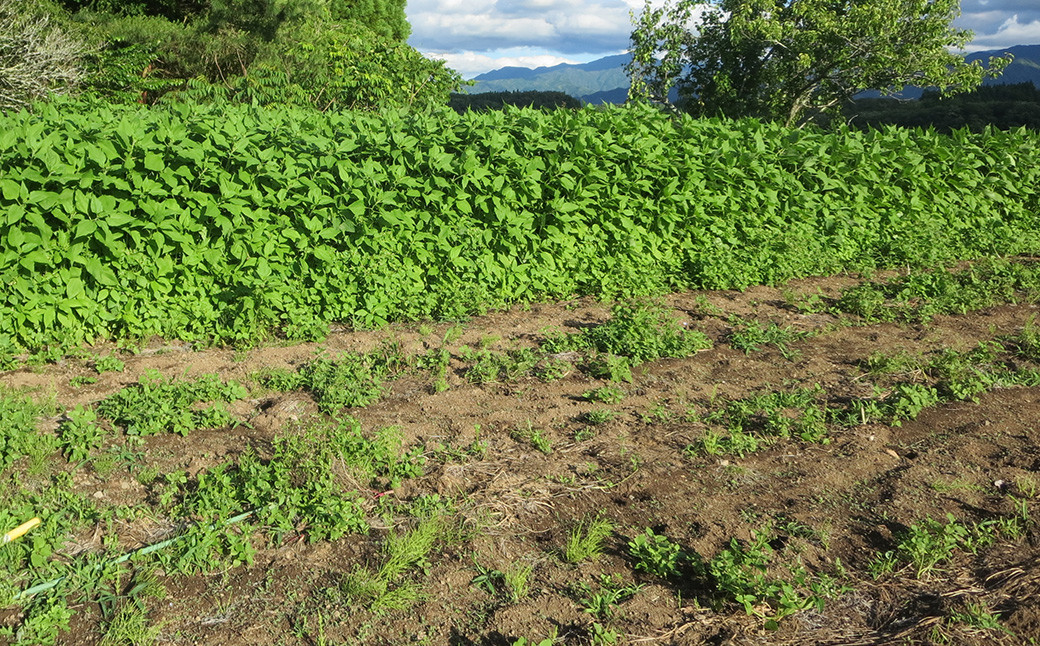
156,406
388,587
778,59
483,101
386,18
37,57
335,67
921,295
744,425
228,223
641,329
18,434
657,554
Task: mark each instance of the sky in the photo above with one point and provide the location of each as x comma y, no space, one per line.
475,36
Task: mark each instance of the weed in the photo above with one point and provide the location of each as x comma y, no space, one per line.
129,627
80,433
656,554
436,360
387,587
1027,341
108,363
584,434
610,367
742,426
599,416
155,406
927,544
977,615
517,579
18,436
749,335
487,579
740,573
921,295
602,601
553,369
280,379
552,639
604,395
534,437
497,366
585,540
352,380
642,330
81,380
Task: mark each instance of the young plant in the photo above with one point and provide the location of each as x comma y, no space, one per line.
749,335
533,436
656,554
602,602
604,395
80,433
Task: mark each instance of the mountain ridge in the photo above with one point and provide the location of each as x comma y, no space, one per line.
604,80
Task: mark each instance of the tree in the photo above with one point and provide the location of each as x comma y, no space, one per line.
36,57
384,17
792,60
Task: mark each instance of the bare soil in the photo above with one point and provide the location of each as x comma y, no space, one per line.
857,494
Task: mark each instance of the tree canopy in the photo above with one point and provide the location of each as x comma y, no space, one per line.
792,60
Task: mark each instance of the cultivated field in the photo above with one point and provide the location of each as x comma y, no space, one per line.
843,460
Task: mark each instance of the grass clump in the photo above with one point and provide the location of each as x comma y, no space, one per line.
585,540
388,587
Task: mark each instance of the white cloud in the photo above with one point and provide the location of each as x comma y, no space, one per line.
1011,32
475,36
470,64
566,26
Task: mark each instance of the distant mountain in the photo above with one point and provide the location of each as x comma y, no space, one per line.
605,75
604,80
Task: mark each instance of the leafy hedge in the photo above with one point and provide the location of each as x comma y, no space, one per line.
225,223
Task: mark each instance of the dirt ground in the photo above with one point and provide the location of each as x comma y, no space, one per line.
854,496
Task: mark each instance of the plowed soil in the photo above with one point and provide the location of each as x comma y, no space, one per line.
853,498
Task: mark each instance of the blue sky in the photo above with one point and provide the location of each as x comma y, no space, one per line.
475,36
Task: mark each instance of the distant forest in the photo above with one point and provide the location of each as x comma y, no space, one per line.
1000,106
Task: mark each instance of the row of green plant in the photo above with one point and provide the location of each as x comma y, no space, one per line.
227,224
904,386
921,295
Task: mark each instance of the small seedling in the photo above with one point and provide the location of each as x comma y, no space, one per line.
604,395
599,416
108,363
81,380
534,437
602,603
